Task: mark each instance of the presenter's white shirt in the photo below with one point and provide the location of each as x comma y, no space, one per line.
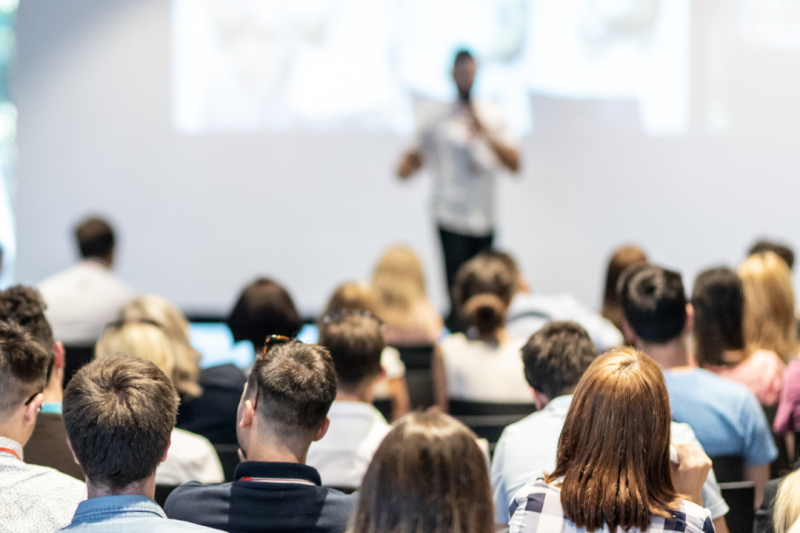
464,165
485,372
190,458
82,300
344,453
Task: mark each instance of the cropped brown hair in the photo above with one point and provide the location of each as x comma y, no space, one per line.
355,343
623,257
614,449
23,365
25,306
119,412
718,301
264,308
428,476
95,238
483,290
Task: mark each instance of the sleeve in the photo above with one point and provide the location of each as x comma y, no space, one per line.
492,119
534,505
501,502
785,419
759,445
711,493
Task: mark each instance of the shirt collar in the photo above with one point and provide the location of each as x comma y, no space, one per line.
354,409
559,404
97,508
277,472
13,445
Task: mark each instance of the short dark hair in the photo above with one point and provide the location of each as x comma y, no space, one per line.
296,384
355,343
483,290
119,412
95,238
462,55
556,357
654,302
718,300
263,308
23,365
781,250
25,306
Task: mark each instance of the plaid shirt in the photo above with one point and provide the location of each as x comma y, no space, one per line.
537,509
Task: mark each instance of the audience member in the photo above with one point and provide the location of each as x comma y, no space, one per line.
617,480
484,364
555,358
530,311
786,509
48,443
283,410
429,475
34,498
355,343
621,259
398,283
725,416
209,397
718,301
264,308
781,250
120,412
84,298
191,457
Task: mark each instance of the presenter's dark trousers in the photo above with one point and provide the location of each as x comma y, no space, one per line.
458,249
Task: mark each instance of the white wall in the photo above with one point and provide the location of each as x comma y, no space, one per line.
200,216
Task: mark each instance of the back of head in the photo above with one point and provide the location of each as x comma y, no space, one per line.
398,281
770,322
786,509
653,302
264,308
428,476
483,290
23,366
25,306
119,412
622,259
143,339
176,327
296,384
355,343
352,295
614,477
556,357
781,250
95,238
718,301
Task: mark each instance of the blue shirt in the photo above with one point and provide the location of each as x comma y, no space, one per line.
122,514
725,416
529,448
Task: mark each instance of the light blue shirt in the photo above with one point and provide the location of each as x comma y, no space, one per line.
123,514
724,414
528,449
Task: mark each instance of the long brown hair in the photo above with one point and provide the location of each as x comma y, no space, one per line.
622,258
614,449
483,291
428,476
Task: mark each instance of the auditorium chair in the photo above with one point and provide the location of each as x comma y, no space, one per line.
780,466
384,405
163,492
419,378
728,468
228,458
75,356
740,497
488,420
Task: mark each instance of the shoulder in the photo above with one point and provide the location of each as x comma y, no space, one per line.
189,497
531,501
454,341
190,444
187,527
689,518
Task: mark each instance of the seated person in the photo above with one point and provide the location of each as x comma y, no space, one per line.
786,507
283,410
718,302
484,365
622,258
763,246
725,416
48,443
33,498
429,475
209,397
556,357
84,298
614,480
530,311
119,413
191,457
355,342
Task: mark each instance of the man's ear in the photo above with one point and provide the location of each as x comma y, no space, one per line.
32,410
72,451
540,399
248,414
627,331
59,355
688,326
323,429
167,450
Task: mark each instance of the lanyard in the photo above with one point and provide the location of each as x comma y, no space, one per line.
276,480
12,452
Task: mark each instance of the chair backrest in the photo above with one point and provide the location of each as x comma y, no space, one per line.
163,492
229,458
75,357
728,468
488,420
419,378
781,465
385,407
740,497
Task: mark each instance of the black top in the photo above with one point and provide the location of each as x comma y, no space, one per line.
265,497
213,415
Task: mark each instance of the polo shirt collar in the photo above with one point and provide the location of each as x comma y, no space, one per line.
113,506
14,446
277,473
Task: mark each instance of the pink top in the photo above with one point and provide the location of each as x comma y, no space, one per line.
762,373
788,417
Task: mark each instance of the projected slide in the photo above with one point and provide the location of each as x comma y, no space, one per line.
281,65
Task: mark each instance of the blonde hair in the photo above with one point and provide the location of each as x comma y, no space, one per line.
398,283
176,328
352,295
769,308
138,339
787,509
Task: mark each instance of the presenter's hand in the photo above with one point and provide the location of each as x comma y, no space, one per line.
409,164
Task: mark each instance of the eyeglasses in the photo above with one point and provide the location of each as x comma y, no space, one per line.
270,342
337,316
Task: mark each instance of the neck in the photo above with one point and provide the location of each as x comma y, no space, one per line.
12,428
497,336
105,261
143,487
358,393
266,447
670,355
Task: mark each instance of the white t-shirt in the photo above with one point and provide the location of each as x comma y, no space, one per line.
485,372
82,300
190,458
464,165
344,453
